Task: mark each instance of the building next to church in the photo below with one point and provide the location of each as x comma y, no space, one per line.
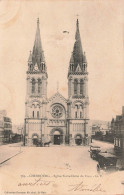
57,119
117,128
5,128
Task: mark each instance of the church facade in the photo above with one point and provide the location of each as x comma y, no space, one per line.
56,119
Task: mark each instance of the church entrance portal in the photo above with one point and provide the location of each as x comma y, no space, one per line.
57,137
35,140
78,140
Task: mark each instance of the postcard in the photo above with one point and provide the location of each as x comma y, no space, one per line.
62,97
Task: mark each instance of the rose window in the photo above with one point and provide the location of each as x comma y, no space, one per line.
57,111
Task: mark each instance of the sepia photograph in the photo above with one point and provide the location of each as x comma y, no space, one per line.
62,97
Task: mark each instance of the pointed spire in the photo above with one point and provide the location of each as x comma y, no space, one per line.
37,54
77,35
78,61
77,50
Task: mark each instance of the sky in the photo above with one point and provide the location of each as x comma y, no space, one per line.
101,26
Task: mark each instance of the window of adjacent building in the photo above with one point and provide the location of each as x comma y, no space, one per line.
80,114
75,114
119,142
81,86
33,85
39,85
75,86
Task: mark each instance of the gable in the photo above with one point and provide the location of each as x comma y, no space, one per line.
78,69
57,97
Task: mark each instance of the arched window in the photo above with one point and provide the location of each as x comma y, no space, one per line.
37,114
75,86
33,114
76,106
39,85
33,85
81,86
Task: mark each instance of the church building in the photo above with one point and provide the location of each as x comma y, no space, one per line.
57,119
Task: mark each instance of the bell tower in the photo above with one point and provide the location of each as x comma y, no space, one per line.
78,105
36,94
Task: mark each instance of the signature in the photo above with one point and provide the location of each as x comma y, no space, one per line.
83,187
36,182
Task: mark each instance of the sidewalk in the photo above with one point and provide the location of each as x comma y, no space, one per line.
9,151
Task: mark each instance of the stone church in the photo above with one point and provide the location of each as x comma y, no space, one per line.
57,119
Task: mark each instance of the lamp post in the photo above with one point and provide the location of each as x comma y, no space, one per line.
21,130
24,131
85,131
41,133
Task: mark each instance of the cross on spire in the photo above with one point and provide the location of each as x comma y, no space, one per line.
37,20
77,16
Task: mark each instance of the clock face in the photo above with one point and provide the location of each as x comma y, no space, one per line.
36,67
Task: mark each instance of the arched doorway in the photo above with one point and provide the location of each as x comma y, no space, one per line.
35,139
78,139
57,136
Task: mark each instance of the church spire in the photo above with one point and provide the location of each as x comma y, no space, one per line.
77,50
37,54
78,56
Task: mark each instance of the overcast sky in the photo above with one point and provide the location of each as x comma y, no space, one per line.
101,28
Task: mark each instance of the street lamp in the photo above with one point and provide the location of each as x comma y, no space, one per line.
24,131
21,130
41,134
85,131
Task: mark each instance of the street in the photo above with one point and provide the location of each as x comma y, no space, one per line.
58,165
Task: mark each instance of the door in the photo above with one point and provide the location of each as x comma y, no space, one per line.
35,141
78,141
57,139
